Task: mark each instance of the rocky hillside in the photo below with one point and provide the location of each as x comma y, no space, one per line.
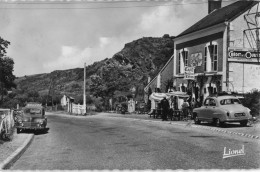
128,68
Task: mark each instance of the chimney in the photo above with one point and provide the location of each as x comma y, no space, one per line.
213,5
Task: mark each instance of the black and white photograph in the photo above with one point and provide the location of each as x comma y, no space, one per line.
129,85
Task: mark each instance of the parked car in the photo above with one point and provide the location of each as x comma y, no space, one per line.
221,109
32,117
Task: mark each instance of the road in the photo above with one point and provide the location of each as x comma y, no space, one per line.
108,141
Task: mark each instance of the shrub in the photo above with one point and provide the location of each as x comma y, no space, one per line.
252,101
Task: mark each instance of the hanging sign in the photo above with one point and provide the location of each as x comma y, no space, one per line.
189,73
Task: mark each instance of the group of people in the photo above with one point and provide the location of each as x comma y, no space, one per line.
171,106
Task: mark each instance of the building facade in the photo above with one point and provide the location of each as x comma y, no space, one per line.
219,53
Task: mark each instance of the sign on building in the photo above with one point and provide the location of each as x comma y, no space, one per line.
189,73
243,55
196,59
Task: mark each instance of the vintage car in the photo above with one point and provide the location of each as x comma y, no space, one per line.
221,109
32,117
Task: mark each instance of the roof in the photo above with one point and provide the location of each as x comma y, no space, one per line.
227,13
68,96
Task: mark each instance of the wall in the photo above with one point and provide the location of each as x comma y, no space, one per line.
198,47
166,74
246,78
237,26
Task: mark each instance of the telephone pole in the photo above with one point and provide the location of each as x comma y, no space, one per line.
84,89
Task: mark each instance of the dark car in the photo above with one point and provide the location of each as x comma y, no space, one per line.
221,109
32,117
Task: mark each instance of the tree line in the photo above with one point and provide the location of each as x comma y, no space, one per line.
6,70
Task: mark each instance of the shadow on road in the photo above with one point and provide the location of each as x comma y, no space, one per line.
37,132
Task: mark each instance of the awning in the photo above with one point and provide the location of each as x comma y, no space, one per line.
160,96
178,94
157,96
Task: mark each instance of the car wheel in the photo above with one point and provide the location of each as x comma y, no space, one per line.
243,123
196,120
18,130
218,123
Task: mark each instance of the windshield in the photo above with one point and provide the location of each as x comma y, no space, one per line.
229,101
33,111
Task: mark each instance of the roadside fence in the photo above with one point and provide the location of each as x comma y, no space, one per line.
78,109
6,124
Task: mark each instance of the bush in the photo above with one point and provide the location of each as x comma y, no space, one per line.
252,101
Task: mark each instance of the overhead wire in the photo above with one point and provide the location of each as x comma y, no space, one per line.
86,2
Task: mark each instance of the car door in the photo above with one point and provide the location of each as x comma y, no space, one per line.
204,110
211,110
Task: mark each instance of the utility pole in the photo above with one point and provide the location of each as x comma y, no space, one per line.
84,91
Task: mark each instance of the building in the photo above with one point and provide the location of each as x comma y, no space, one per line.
161,80
65,100
219,52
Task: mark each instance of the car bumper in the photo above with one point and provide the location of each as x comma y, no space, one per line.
236,120
33,126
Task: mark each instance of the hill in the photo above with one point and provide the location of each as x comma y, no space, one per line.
111,77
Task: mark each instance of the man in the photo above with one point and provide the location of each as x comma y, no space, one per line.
185,107
165,108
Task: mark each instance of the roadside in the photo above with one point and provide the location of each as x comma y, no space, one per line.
11,150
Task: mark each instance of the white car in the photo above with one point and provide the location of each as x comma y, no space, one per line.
221,109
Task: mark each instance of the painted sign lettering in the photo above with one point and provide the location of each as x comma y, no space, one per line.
189,73
240,55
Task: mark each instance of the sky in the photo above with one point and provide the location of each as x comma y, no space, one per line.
59,35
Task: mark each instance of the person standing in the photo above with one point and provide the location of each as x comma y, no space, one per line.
171,103
165,108
185,107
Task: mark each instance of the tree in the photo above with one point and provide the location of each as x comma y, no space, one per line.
6,70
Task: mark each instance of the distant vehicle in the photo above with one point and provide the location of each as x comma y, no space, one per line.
32,117
221,109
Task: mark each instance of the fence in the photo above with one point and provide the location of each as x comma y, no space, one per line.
6,123
78,109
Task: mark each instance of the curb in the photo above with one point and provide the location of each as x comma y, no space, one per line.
228,132
6,164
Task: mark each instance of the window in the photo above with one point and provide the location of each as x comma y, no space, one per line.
206,102
185,57
211,57
229,101
212,102
182,60
214,58
205,59
179,63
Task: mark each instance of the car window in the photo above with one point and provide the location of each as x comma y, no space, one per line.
212,102
230,101
206,102
33,111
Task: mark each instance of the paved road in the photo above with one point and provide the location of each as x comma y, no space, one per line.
106,142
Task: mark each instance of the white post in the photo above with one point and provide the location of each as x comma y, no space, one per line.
84,91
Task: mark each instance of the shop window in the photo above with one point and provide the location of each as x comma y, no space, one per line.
211,57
